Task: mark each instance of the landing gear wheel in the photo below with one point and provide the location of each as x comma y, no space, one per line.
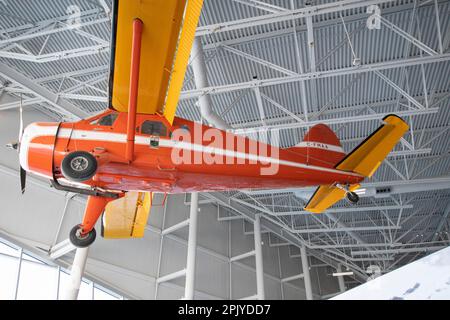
79,166
352,197
79,240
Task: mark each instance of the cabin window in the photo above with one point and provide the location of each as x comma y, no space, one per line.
154,128
107,120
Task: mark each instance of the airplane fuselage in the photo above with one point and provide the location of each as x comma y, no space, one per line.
182,157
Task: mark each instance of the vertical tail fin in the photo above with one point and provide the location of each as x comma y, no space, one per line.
320,147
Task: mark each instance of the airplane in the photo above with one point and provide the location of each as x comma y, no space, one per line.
137,147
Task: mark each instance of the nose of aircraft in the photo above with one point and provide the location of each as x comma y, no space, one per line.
36,147
23,148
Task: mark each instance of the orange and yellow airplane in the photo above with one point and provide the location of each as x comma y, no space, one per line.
138,146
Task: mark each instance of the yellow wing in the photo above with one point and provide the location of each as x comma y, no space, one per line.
127,217
364,159
168,33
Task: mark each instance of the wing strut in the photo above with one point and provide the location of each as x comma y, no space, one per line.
134,86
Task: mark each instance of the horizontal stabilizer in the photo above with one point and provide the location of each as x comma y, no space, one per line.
325,197
367,157
364,159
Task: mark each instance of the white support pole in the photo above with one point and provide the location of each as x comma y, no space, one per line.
58,281
19,267
76,273
306,276
259,258
191,250
340,279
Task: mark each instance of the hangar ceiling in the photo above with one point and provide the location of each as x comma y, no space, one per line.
282,65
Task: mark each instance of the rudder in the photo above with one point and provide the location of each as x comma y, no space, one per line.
320,147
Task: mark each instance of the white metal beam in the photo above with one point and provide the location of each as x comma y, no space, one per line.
242,256
336,113
43,93
398,251
407,36
54,56
93,13
292,278
105,6
396,187
286,16
347,210
176,227
367,117
385,65
61,249
400,90
383,245
40,32
442,222
171,276
346,229
258,60
260,105
261,5
372,259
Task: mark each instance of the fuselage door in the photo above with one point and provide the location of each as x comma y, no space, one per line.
157,132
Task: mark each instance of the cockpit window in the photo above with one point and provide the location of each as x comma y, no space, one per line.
154,128
107,120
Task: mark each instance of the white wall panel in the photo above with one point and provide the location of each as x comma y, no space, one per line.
292,293
212,275
173,256
33,215
243,282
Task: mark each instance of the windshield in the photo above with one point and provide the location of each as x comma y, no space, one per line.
107,120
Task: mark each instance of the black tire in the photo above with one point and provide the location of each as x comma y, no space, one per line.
79,166
352,197
102,227
81,241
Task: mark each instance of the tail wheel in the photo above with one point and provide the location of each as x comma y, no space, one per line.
80,240
352,197
79,166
